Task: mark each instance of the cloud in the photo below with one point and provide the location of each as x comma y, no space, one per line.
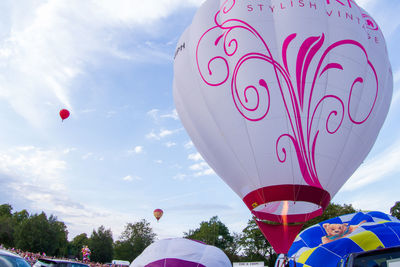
87,155
52,196
88,110
173,115
161,134
180,176
164,133
396,97
46,45
156,116
184,196
396,89
153,114
201,207
205,172
69,150
396,76
175,166
366,4
147,54
130,178
376,169
38,60
188,145
152,135
111,113
170,144
32,164
199,166
195,157
79,218
136,150
35,177
137,12
382,201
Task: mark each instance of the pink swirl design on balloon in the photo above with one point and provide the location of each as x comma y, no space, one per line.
298,97
227,6
371,24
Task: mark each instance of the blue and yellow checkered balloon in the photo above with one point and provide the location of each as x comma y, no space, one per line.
329,242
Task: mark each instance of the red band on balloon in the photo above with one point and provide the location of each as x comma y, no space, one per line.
304,193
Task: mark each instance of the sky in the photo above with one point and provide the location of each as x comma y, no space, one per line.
123,152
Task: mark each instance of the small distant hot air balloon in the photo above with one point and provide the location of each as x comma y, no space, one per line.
158,213
64,113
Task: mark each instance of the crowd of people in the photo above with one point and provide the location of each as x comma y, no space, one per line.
32,258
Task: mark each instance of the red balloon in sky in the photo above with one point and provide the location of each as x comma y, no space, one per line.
64,113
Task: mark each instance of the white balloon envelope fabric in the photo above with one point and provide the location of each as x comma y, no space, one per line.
284,99
329,242
181,252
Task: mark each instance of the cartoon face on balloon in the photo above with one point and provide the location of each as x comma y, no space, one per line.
284,103
335,231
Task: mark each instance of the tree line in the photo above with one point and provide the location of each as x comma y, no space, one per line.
40,233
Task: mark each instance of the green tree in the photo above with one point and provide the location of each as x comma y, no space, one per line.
133,240
20,216
395,210
6,226
59,234
254,245
6,231
9,223
101,245
33,235
213,232
5,210
233,249
39,234
123,250
333,210
75,246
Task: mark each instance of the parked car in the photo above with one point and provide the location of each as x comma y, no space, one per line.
120,263
44,262
382,257
10,259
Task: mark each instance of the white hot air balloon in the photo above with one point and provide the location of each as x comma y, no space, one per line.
182,252
284,99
